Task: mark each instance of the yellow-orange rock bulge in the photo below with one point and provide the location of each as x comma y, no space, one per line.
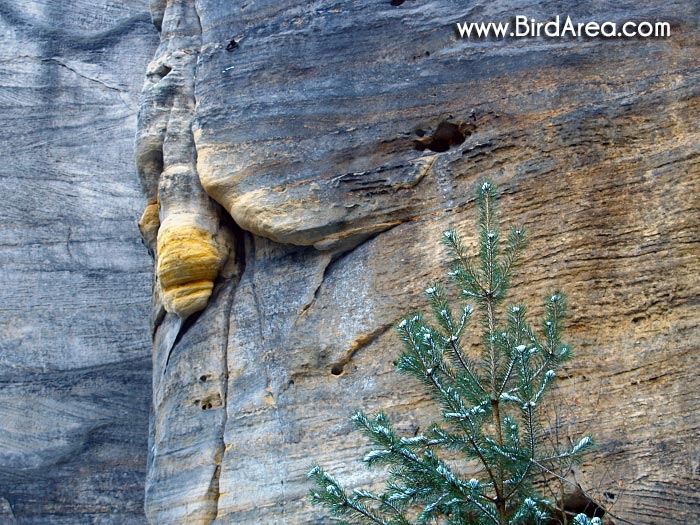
188,263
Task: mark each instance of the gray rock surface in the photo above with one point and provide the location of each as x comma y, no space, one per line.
342,137
295,188
75,381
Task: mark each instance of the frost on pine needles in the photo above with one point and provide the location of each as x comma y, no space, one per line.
490,402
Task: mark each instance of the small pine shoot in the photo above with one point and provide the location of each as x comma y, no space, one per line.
491,402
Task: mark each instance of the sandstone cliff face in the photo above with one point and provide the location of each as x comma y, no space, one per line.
321,156
75,278
295,190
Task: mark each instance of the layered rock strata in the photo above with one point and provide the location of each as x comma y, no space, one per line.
75,374
339,139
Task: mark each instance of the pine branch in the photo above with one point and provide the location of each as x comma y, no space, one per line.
470,433
516,243
333,495
490,406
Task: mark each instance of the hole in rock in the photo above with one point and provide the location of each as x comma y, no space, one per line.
203,378
161,71
164,71
421,55
150,161
577,502
447,135
337,369
397,3
212,401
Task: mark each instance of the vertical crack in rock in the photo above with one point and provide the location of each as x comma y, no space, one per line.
320,276
191,240
219,456
267,366
158,12
214,486
7,514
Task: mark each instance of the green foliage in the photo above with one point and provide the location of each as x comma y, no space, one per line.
490,402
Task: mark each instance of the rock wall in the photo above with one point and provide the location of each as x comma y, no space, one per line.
299,161
304,158
75,380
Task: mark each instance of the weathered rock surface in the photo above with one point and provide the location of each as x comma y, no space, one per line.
75,381
189,249
295,189
342,138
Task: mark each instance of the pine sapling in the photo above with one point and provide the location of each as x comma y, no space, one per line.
491,402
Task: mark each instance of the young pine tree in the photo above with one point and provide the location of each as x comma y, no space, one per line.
490,403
